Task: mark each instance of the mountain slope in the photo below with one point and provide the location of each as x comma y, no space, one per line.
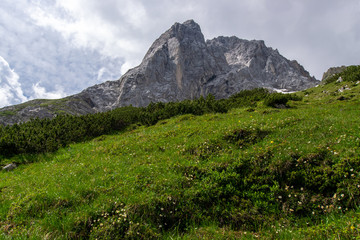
251,173
180,65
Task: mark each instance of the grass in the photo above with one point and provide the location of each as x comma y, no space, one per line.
261,173
7,113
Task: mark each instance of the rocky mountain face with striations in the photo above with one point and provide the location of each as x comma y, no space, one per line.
179,65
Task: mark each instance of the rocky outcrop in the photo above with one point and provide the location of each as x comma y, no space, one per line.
331,72
10,167
180,65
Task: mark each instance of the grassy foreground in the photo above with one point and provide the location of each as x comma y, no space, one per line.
250,173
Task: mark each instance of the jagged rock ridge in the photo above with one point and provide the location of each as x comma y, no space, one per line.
180,65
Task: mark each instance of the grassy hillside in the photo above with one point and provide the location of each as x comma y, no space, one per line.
252,172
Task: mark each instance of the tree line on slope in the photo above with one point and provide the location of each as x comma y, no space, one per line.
48,135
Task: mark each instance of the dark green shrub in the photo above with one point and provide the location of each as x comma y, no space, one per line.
244,137
45,135
350,74
277,100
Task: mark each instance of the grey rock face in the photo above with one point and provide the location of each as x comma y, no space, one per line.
10,167
180,65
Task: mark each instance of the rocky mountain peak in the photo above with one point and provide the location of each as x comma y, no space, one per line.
189,27
186,33
181,65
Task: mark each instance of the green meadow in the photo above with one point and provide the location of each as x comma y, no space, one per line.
253,172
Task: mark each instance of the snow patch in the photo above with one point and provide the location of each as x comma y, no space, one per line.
282,90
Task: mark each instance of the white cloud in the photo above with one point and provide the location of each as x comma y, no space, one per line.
68,45
40,92
42,54
108,27
10,88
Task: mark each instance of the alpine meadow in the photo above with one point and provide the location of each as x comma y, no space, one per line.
257,165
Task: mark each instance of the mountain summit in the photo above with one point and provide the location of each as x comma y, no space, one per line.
180,65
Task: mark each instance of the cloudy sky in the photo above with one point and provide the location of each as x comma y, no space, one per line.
55,48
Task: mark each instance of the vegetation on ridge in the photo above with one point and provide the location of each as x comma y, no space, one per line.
251,172
48,135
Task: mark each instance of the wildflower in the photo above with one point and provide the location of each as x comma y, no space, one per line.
280,197
351,170
339,207
342,195
302,189
272,142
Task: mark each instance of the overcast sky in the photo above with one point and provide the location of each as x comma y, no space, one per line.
55,48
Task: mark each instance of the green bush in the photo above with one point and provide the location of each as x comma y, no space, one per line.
48,135
276,100
350,74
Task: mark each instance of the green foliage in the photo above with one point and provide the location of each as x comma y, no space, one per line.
279,100
244,137
350,74
7,113
40,136
235,175
276,100
254,172
160,111
247,98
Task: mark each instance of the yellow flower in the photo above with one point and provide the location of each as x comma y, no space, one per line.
272,142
